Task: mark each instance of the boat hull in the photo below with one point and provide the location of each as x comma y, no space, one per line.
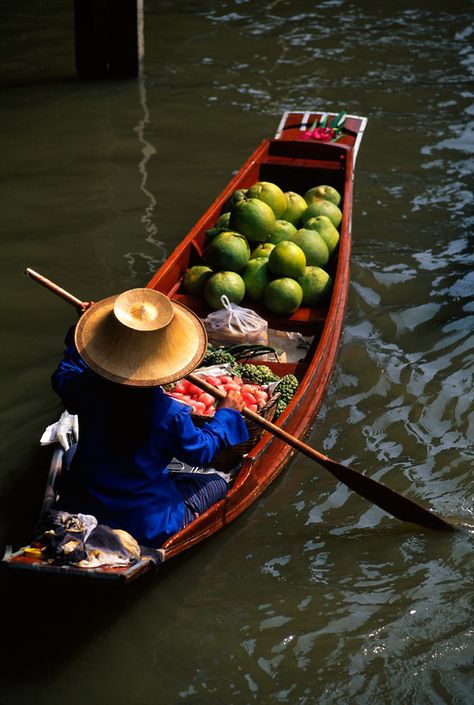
296,165
296,162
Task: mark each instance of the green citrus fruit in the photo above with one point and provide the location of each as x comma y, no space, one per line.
287,260
316,284
262,250
256,276
223,220
322,225
236,197
229,251
313,245
327,192
296,205
194,279
211,233
222,223
253,218
229,284
320,206
271,194
283,231
283,296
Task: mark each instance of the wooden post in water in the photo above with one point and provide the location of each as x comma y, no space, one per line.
107,38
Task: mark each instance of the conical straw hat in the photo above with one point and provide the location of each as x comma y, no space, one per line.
140,338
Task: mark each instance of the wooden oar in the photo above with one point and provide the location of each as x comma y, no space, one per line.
48,284
379,494
392,502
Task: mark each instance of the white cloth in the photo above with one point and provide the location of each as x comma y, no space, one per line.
65,431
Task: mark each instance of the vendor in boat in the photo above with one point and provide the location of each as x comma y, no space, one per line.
121,351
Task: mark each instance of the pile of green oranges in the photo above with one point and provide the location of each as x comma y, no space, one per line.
271,247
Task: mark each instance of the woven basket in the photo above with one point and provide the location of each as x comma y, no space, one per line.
228,458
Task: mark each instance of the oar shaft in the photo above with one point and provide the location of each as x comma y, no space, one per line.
392,502
48,284
261,421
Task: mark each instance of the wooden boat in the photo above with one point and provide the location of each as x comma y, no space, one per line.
296,162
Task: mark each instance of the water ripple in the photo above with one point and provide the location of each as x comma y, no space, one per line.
313,595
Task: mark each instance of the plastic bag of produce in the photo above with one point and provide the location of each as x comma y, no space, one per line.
292,344
233,323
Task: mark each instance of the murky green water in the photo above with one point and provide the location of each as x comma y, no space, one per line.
312,596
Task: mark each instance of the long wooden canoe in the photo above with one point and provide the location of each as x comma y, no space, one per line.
295,161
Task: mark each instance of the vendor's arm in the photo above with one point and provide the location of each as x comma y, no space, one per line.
197,446
68,377
232,400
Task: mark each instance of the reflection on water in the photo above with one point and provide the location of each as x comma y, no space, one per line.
325,623
153,262
313,596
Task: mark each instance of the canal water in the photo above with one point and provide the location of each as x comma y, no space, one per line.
313,596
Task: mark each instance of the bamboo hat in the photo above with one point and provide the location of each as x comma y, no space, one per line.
140,338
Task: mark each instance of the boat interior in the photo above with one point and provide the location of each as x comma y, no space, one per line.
292,165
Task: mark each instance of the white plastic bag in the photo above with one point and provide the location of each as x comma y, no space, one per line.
235,324
290,344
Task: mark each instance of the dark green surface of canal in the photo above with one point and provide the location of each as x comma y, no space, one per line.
313,596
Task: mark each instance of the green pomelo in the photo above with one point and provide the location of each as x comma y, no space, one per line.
316,285
223,220
322,225
287,260
256,276
212,232
283,231
236,197
313,245
229,251
295,208
222,223
271,194
322,207
229,284
195,278
329,193
253,218
283,296
262,250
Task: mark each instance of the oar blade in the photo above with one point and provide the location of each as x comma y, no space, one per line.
387,499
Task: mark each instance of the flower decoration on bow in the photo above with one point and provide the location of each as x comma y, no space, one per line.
321,131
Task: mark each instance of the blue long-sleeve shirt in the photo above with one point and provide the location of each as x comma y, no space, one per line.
128,436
